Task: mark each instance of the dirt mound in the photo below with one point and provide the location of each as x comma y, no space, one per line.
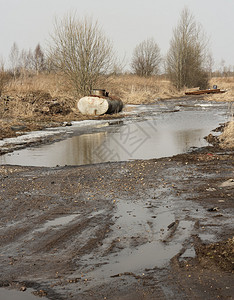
43,103
36,96
34,103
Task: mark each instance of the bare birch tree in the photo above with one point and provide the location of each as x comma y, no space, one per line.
187,53
38,59
25,62
80,51
14,59
146,58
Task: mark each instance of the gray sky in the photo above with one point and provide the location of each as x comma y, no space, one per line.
125,22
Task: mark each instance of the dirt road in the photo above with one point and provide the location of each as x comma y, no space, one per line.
157,229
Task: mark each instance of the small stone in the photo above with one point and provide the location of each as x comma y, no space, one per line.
213,209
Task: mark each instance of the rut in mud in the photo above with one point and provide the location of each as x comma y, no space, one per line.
142,229
114,229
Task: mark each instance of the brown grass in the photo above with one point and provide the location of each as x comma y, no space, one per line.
130,88
133,89
227,137
223,83
28,95
48,83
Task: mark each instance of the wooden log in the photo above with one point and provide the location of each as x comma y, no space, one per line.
96,105
200,92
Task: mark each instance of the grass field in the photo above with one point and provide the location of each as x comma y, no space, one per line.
131,89
41,96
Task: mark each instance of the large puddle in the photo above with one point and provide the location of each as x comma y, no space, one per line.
149,227
144,229
152,134
6,294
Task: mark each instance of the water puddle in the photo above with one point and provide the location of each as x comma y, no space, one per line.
146,241
188,253
6,294
54,224
149,255
153,254
158,135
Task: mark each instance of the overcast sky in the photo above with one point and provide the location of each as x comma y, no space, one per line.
125,22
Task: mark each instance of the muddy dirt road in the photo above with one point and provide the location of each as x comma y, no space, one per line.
146,229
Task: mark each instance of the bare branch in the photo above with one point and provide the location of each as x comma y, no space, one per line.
81,51
186,57
146,58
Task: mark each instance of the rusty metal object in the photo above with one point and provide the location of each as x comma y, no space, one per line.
99,103
98,92
200,92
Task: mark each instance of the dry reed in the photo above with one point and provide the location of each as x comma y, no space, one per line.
223,83
131,89
227,137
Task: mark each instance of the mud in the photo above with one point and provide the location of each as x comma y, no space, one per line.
144,229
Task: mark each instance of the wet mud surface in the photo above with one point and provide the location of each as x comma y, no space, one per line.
144,229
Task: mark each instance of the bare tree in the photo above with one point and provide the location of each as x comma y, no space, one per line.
25,62
146,58
187,53
81,51
209,64
5,77
14,59
38,59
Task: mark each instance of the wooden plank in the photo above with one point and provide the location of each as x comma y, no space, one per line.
200,92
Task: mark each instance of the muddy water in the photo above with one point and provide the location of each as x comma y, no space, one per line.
149,135
6,294
134,220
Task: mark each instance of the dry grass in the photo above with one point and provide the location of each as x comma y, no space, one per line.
223,83
133,89
227,137
28,95
48,83
130,88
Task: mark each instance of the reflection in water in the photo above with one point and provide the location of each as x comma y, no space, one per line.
162,135
18,295
79,149
187,138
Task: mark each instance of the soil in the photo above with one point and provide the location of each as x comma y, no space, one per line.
37,110
67,260
53,261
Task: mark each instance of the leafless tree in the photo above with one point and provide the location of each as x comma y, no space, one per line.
187,53
80,51
146,58
25,62
118,66
209,64
38,59
14,59
5,76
